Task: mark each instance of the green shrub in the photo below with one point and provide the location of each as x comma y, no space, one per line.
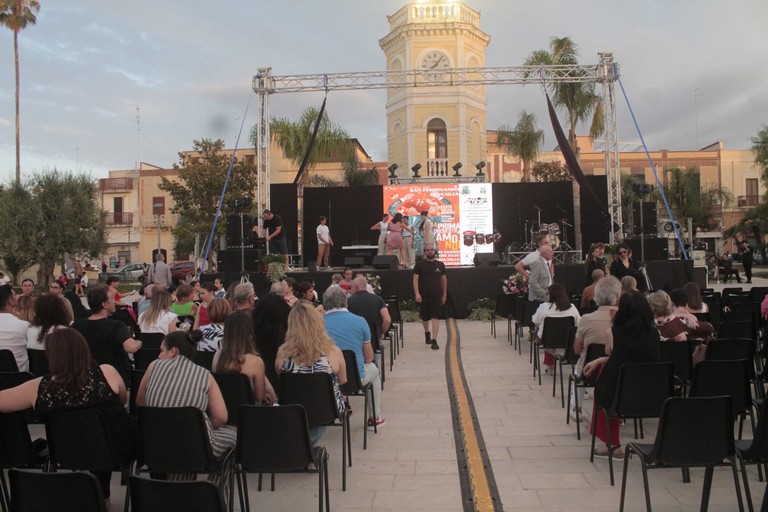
410,316
480,314
408,305
484,303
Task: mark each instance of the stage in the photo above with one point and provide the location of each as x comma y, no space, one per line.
466,284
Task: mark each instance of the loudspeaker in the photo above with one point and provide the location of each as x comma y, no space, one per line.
312,266
649,218
354,261
235,237
229,260
388,261
487,259
655,249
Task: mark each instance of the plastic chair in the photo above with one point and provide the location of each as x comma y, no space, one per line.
505,305
640,393
594,351
729,378
8,361
151,339
518,315
276,440
204,359
144,356
38,362
314,391
743,329
355,387
692,432
568,357
136,376
754,451
680,354
393,305
35,491
17,450
148,495
553,337
10,380
378,349
722,349
236,389
175,440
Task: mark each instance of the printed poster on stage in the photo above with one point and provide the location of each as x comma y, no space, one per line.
456,212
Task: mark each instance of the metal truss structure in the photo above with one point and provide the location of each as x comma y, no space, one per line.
604,73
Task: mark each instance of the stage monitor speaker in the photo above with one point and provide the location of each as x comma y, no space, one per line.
354,261
229,260
236,238
655,249
487,259
649,218
389,261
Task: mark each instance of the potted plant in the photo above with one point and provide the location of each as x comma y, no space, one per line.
268,259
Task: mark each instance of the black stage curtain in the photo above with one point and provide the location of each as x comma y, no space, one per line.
514,204
284,195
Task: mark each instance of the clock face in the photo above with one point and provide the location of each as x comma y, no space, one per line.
435,60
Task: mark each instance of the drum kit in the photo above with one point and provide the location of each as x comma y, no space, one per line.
552,231
472,237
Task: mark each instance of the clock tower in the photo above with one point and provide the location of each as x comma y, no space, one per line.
435,122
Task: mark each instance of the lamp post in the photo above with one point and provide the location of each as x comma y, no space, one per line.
158,207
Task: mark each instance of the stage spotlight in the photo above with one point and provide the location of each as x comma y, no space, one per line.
456,168
479,168
392,168
415,170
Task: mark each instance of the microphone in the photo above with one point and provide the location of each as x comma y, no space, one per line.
537,207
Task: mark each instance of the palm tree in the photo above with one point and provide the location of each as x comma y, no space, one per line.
16,15
523,141
688,199
760,148
578,99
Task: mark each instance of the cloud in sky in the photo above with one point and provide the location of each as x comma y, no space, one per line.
188,66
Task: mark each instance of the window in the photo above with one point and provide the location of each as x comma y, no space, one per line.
158,205
117,204
437,139
751,187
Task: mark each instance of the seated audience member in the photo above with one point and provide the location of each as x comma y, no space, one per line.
75,303
368,305
57,288
220,292
336,279
594,327
238,355
696,303
558,305
351,332
113,282
699,330
27,285
207,291
675,328
244,297
346,283
218,311
51,313
289,285
309,349
633,339
270,321
110,340
725,267
158,318
148,291
184,306
173,380
588,294
25,307
306,291
77,381
13,330
628,284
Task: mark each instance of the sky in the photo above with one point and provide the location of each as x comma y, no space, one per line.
694,72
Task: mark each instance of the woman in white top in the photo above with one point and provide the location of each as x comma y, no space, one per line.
558,306
382,228
51,313
158,318
408,258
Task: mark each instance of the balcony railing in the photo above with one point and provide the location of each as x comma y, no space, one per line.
116,184
747,201
437,167
119,219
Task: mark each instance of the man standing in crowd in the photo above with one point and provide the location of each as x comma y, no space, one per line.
369,306
275,236
430,286
522,265
351,332
160,272
244,297
13,331
540,276
745,250
324,243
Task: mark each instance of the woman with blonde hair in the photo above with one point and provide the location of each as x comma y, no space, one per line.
25,307
158,318
309,349
628,284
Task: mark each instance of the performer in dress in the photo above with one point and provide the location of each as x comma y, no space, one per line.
395,242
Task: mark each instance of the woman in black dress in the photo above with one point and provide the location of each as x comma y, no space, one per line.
594,261
624,265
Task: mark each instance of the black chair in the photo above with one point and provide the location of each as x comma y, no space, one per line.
35,491
204,359
702,317
755,451
724,349
150,339
10,380
554,337
276,440
505,304
735,297
136,376
38,362
518,315
378,349
355,387
144,356
17,450
640,393
314,391
692,432
726,378
236,390
680,354
529,309
8,361
175,440
594,351
757,293
743,329
568,357
148,495
393,305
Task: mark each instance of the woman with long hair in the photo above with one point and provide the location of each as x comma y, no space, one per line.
238,355
25,307
158,318
218,311
594,261
633,339
173,380
309,349
270,321
77,381
395,242
558,306
696,303
51,313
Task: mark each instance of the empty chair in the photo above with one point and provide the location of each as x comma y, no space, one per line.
742,329
8,361
680,354
276,440
568,357
505,304
17,450
148,495
236,390
144,356
204,359
38,362
35,491
150,339
692,432
754,451
729,378
594,351
393,305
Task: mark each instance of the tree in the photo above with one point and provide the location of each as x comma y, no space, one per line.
760,148
544,172
196,194
688,199
523,141
754,223
332,141
16,15
578,99
355,176
51,215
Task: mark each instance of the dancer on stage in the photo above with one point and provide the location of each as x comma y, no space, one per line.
382,227
324,243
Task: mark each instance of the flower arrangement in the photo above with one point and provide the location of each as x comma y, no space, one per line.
375,282
515,284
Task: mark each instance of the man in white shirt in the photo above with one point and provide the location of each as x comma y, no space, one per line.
324,243
4,279
13,331
523,265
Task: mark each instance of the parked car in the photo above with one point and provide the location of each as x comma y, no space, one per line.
128,272
181,269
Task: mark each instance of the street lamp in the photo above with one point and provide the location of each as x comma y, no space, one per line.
158,207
